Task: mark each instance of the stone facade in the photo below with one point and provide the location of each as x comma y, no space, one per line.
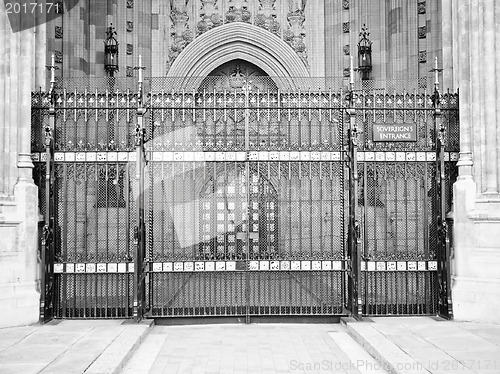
322,34
472,60
19,274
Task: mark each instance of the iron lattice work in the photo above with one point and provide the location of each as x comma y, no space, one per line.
245,199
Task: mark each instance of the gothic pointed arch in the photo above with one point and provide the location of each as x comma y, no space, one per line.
243,41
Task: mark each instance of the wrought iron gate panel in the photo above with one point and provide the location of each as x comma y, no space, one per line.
277,162
398,201
92,192
242,220
398,229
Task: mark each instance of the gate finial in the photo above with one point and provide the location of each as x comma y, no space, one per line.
140,80
52,67
436,96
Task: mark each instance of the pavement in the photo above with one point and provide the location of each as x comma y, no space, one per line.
254,348
376,345
429,345
70,346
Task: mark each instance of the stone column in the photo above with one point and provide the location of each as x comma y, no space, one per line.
489,100
476,73
19,297
447,43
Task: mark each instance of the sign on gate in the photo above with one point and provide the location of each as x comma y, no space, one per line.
397,132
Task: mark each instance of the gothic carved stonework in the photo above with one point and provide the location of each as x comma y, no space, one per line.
422,56
238,75
181,34
422,32
266,17
345,27
59,32
238,11
421,7
295,34
347,50
210,16
58,56
265,14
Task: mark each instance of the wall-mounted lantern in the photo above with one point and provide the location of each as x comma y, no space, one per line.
364,54
110,51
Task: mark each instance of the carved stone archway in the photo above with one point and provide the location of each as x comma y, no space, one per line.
234,41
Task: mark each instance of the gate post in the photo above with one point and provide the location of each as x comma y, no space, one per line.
47,242
443,250
355,302
140,229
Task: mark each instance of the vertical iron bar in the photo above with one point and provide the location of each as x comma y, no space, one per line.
139,234
127,241
47,250
356,304
366,232
247,198
443,248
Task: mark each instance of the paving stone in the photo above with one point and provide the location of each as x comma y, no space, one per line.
66,347
254,348
24,368
71,363
21,353
437,346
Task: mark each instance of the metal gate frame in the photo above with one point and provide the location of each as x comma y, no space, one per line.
47,255
245,268
356,265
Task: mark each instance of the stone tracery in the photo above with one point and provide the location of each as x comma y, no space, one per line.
214,13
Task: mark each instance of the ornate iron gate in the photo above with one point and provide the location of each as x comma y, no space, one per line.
404,196
245,202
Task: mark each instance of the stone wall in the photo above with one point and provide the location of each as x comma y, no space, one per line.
323,34
472,37
19,274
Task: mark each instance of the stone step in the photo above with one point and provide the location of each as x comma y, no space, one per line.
395,347
116,355
393,359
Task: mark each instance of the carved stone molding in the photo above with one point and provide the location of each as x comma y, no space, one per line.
58,56
58,32
238,41
295,33
210,16
181,34
422,56
345,27
421,7
422,32
266,16
238,12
